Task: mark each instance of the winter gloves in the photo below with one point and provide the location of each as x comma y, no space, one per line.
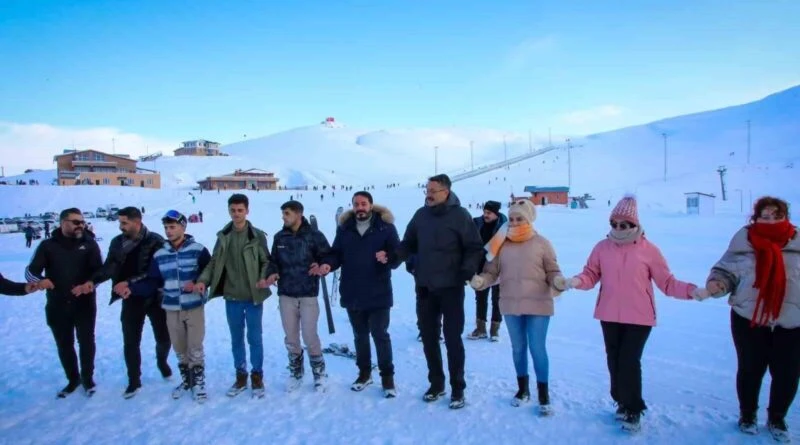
563,284
477,282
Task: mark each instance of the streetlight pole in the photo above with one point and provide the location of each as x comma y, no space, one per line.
436,160
569,164
472,155
665,156
741,200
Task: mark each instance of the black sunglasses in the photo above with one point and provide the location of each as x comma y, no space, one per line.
77,222
622,226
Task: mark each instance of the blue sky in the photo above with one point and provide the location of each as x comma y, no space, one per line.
180,69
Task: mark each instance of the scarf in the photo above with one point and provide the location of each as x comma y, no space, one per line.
625,237
128,244
516,234
768,241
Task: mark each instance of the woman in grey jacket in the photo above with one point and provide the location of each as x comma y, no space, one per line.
761,272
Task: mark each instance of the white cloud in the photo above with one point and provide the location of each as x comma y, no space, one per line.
523,53
592,115
24,146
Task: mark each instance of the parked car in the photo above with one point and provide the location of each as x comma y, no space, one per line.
101,212
88,215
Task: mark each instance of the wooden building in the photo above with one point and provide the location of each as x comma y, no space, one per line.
548,195
252,179
92,167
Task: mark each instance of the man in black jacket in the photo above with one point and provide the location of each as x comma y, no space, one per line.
488,224
448,250
59,265
8,287
129,257
297,252
365,239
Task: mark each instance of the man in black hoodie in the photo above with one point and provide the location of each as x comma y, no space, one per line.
447,251
59,265
129,257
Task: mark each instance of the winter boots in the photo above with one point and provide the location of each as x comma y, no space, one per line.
545,409
387,382
494,331
364,379
69,389
318,370
295,371
479,332
186,381
523,395
257,384
239,385
199,383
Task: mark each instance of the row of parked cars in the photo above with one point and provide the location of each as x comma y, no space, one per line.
18,224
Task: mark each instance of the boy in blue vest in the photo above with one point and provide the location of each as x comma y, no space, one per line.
175,269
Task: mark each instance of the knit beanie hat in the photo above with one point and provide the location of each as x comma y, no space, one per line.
524,208
626,210
492,206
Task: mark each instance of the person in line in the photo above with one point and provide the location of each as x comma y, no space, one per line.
525,264
760,272
238,271
488,224
59,265
626,264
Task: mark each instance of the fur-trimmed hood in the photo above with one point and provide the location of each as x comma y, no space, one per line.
386,215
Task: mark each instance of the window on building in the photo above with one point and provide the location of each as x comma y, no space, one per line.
105,181
98,157
149,182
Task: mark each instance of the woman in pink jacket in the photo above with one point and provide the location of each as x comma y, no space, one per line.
625,264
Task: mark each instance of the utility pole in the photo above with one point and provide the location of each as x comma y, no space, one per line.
665,156
741,200
721,170
748,141
530,141
569,164
436,160
113,146
472,155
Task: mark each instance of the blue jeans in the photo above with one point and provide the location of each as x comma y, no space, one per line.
529,331
241,313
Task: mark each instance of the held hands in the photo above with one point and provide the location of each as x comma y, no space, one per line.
477,282
565,284
81,289
262,283
715,287
382,257
120,289
324,269
45,284
31,288
199,288
272,279
188,287
700,294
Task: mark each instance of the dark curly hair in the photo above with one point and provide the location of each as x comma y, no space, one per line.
770,201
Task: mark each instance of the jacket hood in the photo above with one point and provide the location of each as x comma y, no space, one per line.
229,227
385,214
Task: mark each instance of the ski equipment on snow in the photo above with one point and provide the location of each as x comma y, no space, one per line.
324,283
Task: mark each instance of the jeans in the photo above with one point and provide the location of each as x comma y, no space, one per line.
443,309
761,348
624,348
241,314
373,322
529,332
482,304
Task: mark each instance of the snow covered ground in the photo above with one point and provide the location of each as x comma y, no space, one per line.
689,364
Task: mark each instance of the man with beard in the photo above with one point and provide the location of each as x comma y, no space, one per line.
67,259
488,224
238,271
129,257
297,251
362,248
448,251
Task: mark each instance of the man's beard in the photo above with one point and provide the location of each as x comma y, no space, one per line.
363,216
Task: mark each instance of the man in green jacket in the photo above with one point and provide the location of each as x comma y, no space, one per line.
237,271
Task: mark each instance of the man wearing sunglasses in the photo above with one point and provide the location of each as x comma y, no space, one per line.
448,251
59,265
129,257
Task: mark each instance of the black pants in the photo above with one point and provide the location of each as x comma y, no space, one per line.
624,347
482,304
759,349
373,322
68,321
28,241
443,308
134,311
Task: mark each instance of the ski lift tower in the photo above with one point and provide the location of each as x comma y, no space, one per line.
722,170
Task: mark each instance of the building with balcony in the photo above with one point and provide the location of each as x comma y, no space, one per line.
91,167
200,147
252,179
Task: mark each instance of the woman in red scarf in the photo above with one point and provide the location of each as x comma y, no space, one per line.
761,271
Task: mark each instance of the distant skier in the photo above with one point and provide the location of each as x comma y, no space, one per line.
200,215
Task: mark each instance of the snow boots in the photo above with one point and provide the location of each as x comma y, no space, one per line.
387,382
545,409
479,332
199,383
239,385
364,379
494,331
523,394
318,370
186,381
295,371
257,384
